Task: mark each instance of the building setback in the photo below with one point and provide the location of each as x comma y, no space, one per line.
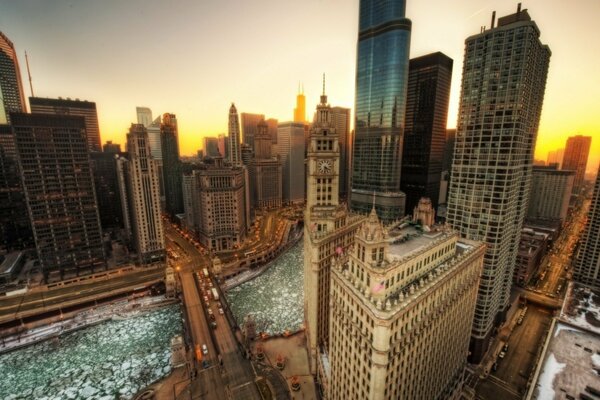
503,84
290,146
550,195
140,197
587,264
12,98
381,83
85,109
427,102
59,192
402,304
169,139
575,159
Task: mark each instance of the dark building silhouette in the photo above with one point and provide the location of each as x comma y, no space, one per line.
59,191
587,265
427,101
12,98
171,165
104,168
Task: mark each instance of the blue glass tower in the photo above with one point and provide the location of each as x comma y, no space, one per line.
381,84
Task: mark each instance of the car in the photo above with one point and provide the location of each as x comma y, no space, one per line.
501,355
495,366
221,311
210,312
213,324
520,321
505,348
204,349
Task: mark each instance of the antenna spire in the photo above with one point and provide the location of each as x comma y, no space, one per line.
29,74
323,84
323,96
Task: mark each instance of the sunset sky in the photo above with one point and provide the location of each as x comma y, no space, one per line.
195,57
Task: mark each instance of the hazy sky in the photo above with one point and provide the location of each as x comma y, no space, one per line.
195,57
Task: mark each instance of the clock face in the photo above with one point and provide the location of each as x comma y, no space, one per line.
324,166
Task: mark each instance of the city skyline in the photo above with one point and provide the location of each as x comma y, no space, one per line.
568,108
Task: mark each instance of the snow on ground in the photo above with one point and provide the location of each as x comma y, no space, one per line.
551,369
276,297
110,361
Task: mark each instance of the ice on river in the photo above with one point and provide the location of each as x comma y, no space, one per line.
113,360
276,297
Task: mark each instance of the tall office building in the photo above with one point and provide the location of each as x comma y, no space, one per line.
144,116
211,147
221,205
85,109
187,187
300,110
587,265
169,138
154,139
12,97
265,172
555,157
235,145
59,192
249,128
223,145
402,304
140,197
504,79
327,227
550,195
427,102
290,145
576,158
340,119
272,129
104,170
381,83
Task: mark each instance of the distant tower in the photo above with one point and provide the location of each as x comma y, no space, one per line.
587,266
300,110
144,116
171,165
576,158
235,153
12,98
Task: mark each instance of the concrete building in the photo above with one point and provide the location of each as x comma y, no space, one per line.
402,304
12,97
85,109
381,84
272,124
187,187
587,264
300,110
504,70
221,205
576,158
154,140
327,228
59,191
211,147
265,172
427,100
550,195
223,145
171,165
555,157
140,198
249,127
532,248
144,116
290,146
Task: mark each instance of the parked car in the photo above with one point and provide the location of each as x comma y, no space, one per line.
204,349
501,355
221,311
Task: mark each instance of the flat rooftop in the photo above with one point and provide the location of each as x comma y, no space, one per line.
408,238
9,262
582,308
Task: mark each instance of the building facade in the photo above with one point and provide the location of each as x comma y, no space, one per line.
587,264
249,128
171,165
555,157
576,158
223,145
85,109
291,147
104,169
211,147
12,97
144,116
532,248
503,84
265,172
427,102
550,195
300,110
381,83
402,304
340,119
140,197
327,227
59,192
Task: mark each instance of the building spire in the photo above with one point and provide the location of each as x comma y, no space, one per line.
323,96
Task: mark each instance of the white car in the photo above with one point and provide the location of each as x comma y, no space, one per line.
501,355
221,311
204,349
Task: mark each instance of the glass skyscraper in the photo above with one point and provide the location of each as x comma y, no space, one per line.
381,83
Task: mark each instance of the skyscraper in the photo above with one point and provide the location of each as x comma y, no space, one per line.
427,102
140,197
555,157
550,194
144,116
59,191
249,128
85,109
340,119
290,144
265,172
576,158
300,110
235,148
223,145
211,147
12,97
171,165
328,229
503,84
104,169
381,83
587,265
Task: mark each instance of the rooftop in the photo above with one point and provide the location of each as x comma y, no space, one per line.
582,308
408,238
9,262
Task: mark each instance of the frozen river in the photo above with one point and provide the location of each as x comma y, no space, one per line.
276,297
109,361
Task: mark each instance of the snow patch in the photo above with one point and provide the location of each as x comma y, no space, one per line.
551,369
